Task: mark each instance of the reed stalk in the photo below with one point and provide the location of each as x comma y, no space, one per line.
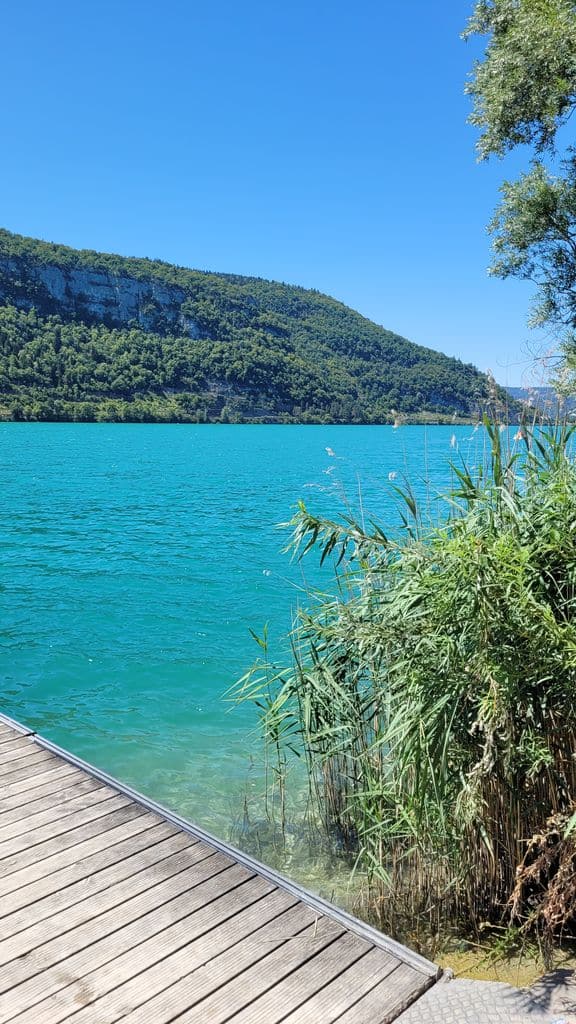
433,699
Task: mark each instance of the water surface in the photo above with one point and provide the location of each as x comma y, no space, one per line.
136,558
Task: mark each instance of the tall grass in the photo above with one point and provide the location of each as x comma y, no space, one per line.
433,699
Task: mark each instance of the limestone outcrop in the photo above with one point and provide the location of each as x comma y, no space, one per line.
115,300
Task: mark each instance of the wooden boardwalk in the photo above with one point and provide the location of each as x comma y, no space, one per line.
114,909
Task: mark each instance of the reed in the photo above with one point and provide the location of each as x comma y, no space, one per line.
433,698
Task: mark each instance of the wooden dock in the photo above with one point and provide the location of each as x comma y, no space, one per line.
115,909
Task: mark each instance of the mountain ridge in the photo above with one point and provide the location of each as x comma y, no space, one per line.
88,335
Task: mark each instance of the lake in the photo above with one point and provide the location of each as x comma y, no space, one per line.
136,559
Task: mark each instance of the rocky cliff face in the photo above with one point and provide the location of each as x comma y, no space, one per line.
115,300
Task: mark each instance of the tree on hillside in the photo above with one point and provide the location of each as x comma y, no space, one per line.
523,92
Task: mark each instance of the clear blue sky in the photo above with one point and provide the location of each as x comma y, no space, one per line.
322,144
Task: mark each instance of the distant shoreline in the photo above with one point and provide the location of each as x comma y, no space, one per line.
416,421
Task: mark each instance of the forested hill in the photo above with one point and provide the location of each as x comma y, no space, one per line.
87,335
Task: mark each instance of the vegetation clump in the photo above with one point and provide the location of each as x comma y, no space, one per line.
202,347
524,93
433,699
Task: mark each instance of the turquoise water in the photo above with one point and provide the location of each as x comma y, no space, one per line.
135,560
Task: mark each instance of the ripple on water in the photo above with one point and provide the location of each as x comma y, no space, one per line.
135,560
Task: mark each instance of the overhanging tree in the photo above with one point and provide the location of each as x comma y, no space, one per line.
523,92
525,88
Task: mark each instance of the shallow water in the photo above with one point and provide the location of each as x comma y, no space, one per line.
521,969
134,562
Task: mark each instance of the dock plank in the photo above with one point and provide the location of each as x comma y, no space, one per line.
8,732
50,775
34,857
62,831
45,822
14,743
8,737
385,1002
54,798
315,971
104,951
113,908
61,899
107,994
341,993
39,761
14,751
94,925
17,793
122,824
288,952
34,892
203,979
155,882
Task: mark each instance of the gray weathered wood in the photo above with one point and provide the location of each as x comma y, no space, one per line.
384,1003
202,900
65,829
96,829
8,739
48,775
113,908
20,792
315,971
121,985
86,888
345,990
9,733
203,978
292,948
10,725
121,825
24,747
146,881
89,925
34,893
45,822
37,890
7,746
53,799
15,749
39,761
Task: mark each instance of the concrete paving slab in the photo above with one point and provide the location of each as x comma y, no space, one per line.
552,1000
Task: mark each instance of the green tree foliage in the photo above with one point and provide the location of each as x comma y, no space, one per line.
217,347
535,238
523,92
525,87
